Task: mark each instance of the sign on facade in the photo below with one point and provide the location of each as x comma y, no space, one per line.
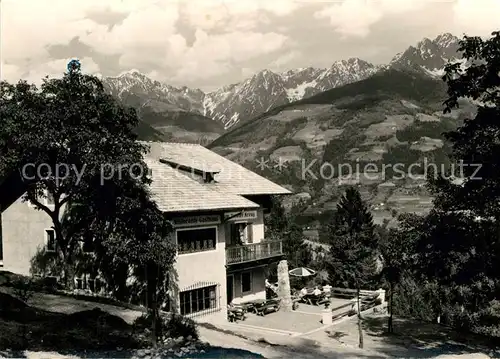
240,215
196,220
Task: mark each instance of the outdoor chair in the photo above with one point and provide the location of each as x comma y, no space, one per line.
272,305
236,312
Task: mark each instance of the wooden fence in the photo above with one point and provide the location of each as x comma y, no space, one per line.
368,300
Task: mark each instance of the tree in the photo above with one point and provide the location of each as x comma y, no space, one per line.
142,240
80,149
282,226
66,139
396,247
476,142
277,221
353,245
460,245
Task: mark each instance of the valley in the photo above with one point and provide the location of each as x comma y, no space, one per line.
380,140
318,130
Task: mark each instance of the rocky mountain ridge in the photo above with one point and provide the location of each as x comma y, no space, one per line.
267,89
357,134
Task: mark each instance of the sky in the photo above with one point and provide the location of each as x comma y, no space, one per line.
207,44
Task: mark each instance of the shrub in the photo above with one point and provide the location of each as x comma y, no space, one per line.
143,322
179,326
173,326
24,288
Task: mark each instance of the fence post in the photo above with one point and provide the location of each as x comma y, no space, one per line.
381,295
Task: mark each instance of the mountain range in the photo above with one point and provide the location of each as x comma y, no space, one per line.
351,114
263,91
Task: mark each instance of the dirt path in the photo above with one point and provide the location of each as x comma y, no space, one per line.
339,342
285,347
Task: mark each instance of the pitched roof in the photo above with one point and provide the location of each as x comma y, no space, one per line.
175,191
230,177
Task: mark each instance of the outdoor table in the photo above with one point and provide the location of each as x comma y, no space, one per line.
314,299
250,306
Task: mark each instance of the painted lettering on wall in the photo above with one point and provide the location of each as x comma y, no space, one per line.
196,220
240,215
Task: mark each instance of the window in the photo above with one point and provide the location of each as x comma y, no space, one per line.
208,177
197,300
79,284
241,233
50,236
196,240
91,284
94,285
87,245
246,282
98,285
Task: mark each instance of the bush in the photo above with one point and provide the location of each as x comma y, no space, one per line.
179,326
173,326
145,321
24,288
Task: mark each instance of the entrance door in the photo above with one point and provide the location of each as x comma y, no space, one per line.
230,288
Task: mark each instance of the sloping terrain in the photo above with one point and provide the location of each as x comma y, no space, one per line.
146,132
182,126
368,133
243,101
166,113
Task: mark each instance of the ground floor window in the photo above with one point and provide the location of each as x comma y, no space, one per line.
92,284
197,300
246,282
50,236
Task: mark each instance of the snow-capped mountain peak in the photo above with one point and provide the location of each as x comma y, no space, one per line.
429,55
267,89
135,83
446,40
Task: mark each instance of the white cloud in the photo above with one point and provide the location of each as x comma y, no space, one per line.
9,72
355,17
283,61
149,27
148,35
234,14
477,17
27,33
219,51
52,69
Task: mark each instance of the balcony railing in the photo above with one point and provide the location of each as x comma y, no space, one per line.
253,252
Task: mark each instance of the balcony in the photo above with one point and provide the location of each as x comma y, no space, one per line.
253,252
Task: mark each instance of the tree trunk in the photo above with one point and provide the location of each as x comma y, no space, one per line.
68,272
390,328
360,330
151,285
